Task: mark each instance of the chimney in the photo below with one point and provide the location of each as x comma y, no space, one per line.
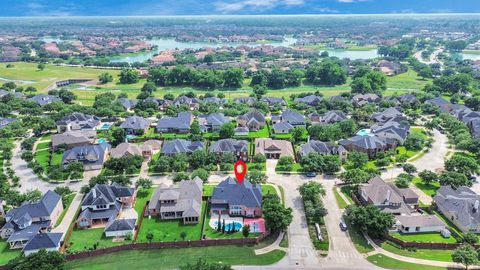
94,191
475,206
388,195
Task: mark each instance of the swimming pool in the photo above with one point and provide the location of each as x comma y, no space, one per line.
365,132
101,140
105,126
229,226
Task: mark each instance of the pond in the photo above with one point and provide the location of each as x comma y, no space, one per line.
352,55
171,43
471,56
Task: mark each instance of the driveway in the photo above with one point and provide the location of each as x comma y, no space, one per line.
69,215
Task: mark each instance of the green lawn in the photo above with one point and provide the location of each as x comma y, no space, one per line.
170,230
173,257
6,254
269,189
402,151
433,237
57,158
284,242
262,133
427,254
390,263
346,191
43,158
340,201
208,189
406,81
359,240
430,189
143,195
85,239
43,145
46,137
212,233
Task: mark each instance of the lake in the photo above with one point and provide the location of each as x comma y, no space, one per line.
471,56
352,55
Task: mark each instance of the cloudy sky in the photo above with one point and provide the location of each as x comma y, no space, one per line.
240,7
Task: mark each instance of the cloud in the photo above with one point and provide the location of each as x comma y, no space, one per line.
227,7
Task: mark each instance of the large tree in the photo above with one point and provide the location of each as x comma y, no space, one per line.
454,179
41,260
328,72
277,217
462,164
465,255
370,219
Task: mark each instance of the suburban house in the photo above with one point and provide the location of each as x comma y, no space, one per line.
78,121
71,139
179,124
237,199
295,119
419,223
311,100
30,219
92,156
181,201
273,149
181,146
15,94
407,99
314,117
44,99
212,122
362,99
370,145
389,68
215,100
146,150
192,103
388,197
253,120
241,131
282,128
461,206
238,148
445,106
388,114
5,121
244,100
331,117
48,241
272,101
103,203
391,131
136,125
127,104
120,227
323,148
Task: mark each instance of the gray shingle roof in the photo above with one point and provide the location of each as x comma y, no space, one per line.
135,123
120,225
333,117
182,121
273,100
365,142
44,99
310,100
43,241
324,148
229,146
5,121
93,154
79,120
231,192
106,194
292,117
280,126
460,203
179,146
127,103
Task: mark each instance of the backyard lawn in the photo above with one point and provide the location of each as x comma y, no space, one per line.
430,189
433,237
262,133
390,263
169,230
43,145
6,254
43,158
169,258
85,239
57,158
427,254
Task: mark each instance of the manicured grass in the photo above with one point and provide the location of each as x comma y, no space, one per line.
143,195
406,81
390,263
259,166
284,242
67,202
262,133
429,189
402,151
427,254
340,201
346,191
173,257
43,145
433,237
269,189
171,136
43,158
46,137
212,233
7,254
208,189
359,241
57,158
170,230
85,239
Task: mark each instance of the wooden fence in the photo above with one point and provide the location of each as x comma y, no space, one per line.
449,246
160,245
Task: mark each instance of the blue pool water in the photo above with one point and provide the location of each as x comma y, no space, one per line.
228,225
364,132
102,140
106,126
130,137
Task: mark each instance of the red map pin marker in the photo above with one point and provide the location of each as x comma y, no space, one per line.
240,169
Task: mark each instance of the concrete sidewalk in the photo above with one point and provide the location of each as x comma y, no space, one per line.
69,215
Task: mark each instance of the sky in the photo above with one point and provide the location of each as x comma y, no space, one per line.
229,7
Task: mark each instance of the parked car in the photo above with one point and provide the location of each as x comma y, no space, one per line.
311,174
343,226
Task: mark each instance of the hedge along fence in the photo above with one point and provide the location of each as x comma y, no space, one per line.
403,244
160,245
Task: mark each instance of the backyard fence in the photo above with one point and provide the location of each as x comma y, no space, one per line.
160,245
403,244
